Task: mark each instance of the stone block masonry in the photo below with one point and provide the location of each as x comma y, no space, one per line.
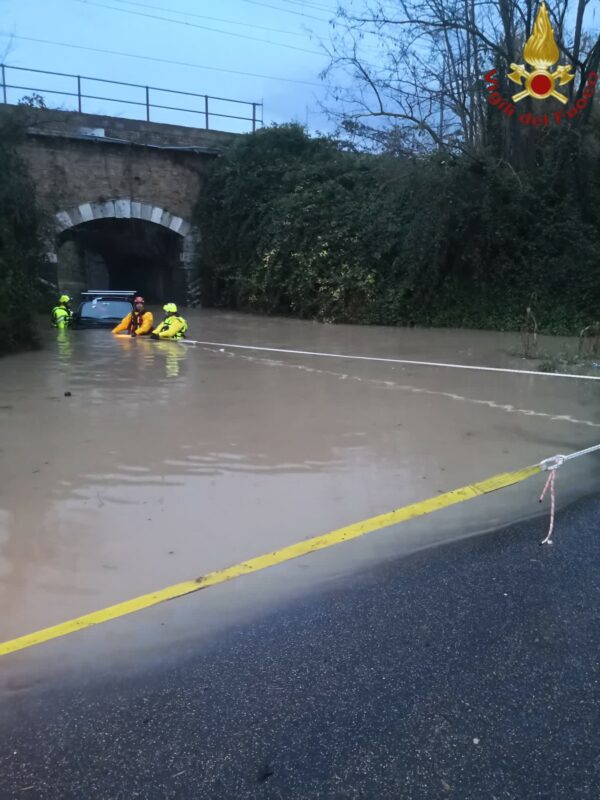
89,167
70,172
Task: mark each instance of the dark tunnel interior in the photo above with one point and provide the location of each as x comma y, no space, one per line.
120,254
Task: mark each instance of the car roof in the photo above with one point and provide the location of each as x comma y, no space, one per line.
109,294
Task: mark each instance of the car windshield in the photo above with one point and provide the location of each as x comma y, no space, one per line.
105,309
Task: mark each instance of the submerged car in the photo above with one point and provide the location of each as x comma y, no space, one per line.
103,308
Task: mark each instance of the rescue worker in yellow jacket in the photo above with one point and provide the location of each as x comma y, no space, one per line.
139,322
61,314
172,327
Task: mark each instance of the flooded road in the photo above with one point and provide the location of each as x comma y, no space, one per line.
128,465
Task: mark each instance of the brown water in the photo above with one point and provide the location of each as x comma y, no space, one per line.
169,460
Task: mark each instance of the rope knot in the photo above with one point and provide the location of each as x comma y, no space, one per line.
552,463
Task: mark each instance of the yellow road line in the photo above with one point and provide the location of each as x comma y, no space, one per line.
345,534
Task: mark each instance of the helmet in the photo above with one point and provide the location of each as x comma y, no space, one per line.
64,298
170,308
138,299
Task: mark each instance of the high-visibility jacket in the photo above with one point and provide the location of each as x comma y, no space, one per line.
136,322
172,327
61,316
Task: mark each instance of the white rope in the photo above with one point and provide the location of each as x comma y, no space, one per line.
594,448
473,367
557,461
552,465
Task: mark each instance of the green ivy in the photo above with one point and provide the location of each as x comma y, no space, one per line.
294,225
20,241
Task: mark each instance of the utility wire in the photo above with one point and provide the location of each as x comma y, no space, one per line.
212,19
285,10
194,25
158,60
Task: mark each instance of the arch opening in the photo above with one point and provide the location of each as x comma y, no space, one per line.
126,244
120,254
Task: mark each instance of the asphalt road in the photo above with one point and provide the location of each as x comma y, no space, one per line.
467,671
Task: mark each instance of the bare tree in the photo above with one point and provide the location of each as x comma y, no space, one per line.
419,65
6,50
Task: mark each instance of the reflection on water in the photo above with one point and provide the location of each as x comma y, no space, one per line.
164,358
173,355
169,460
65,348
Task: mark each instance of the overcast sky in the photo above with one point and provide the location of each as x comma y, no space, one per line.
242,49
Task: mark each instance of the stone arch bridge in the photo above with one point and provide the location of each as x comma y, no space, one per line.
120,194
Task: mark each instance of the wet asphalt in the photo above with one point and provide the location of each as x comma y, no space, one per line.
466,671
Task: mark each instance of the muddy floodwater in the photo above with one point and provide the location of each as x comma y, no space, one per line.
127,465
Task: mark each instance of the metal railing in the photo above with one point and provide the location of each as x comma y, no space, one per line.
202,109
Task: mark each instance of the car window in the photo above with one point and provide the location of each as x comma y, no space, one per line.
105,309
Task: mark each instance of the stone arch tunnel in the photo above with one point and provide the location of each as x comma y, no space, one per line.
122,194
124,244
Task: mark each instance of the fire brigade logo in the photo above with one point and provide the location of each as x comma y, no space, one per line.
541,52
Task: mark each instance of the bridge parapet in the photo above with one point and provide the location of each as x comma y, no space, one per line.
72,124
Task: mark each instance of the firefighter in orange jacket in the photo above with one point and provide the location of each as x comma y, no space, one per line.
139,322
